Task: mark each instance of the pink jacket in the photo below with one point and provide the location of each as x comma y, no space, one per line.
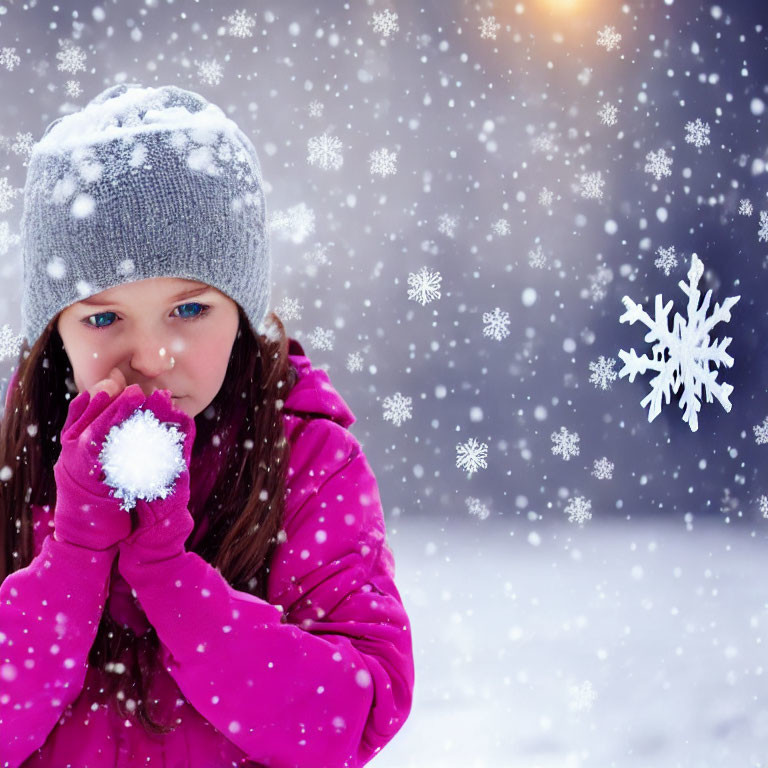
328,688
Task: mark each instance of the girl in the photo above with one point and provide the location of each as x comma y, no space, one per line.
250,617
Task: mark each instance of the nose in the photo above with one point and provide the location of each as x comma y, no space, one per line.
150,361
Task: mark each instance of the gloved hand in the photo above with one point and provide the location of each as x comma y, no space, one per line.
164,524
86,513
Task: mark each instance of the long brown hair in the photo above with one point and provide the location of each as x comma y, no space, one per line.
244,507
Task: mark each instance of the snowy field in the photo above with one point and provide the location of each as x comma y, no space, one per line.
666,627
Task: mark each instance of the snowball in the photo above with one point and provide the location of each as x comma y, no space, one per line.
142,458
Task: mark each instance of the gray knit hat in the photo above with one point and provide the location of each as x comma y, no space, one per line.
140,183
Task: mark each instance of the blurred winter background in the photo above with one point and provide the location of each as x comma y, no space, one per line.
460,196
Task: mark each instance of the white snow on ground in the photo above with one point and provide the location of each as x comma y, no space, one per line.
667,626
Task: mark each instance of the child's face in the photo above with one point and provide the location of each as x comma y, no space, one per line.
154,338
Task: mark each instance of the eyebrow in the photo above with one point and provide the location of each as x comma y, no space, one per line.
182,295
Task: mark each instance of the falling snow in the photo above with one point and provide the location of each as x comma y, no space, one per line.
397,408
325,152
602,372
658,164
608,38
565,443
471,456
425,286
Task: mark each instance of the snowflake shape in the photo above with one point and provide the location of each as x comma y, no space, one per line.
565,443
71,57
602,372
582,697
385,23
658,164
667,260
240,24
471,456
697,133
6,238
295,224
315,108
599,281
73,89
545,197
544,142
497,324
209,71
397,408
761,432
325,151
383,162
22,145
501,227
762,232
681,356
608,114
476,507
578,510
9,59
608,38
763,505
425,286
745,207
602,469
290,309
592,185
488,27
536,257
322,339
354,362
10,343
7,193
446,224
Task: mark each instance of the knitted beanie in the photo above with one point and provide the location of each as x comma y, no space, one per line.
141,183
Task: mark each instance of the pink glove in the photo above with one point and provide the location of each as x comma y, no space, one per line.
86,513
164,525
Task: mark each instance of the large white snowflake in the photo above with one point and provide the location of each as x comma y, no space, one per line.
681,355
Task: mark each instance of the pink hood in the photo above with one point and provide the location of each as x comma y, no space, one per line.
319,674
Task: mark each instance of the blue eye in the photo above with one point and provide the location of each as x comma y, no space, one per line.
96,326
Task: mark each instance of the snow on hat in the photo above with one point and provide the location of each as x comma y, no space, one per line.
141,183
